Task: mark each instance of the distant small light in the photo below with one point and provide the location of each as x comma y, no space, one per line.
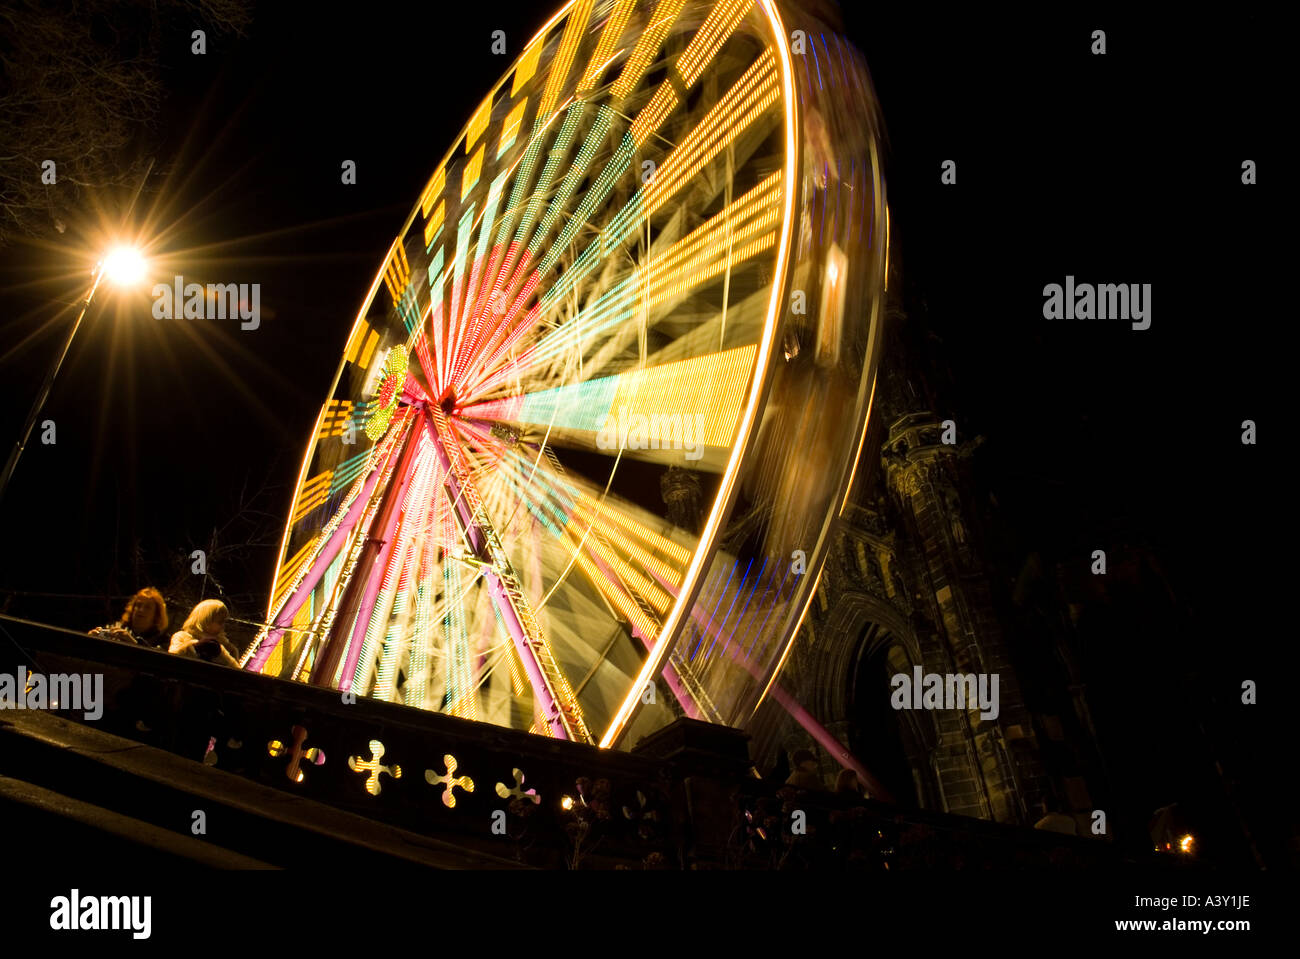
1185,844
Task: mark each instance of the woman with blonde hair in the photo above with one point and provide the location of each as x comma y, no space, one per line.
143,622
204,635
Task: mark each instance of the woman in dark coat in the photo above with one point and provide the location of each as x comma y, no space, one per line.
143,622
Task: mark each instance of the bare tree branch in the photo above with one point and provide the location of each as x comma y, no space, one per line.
80,82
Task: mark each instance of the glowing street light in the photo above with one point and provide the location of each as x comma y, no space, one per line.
124,266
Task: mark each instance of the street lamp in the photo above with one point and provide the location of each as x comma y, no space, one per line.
123,266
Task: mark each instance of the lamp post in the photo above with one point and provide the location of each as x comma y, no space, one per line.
122,266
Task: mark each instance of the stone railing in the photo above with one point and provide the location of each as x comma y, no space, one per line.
783,827
685,797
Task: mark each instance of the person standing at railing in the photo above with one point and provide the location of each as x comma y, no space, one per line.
805,775
848,785
204,635
143,622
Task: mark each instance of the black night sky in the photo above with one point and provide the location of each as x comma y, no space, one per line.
1117,169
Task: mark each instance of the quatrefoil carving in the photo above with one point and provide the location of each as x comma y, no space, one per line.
517,791
296,754
374,768
450,780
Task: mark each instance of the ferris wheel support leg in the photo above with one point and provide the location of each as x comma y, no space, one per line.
546,702
350,605
388,539
324,558
496,589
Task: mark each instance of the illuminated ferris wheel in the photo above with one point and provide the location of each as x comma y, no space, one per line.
606,396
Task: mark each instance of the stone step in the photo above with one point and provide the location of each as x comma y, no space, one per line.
59,829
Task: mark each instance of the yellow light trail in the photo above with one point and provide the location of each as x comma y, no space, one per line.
674,551
703,255
648,588
601,514
747,100
628,577
616,595
478,123
314,492
624,531
528,63
473,168
433,191
510,127
434,223
742,230
397,275
681,609
710,389
653,114
574,29
338,413
289,570
708,40
609,37
647,45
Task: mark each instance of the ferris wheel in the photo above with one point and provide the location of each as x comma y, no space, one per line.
594,423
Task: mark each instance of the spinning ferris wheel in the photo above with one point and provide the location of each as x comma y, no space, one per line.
606,397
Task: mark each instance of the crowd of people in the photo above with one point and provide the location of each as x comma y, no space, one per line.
202,636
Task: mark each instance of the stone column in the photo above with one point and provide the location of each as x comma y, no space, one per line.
987,764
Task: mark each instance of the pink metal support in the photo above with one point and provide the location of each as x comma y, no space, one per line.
828,742
323,560
376,572
550,709
329,655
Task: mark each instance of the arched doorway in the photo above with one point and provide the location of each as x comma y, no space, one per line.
891,743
